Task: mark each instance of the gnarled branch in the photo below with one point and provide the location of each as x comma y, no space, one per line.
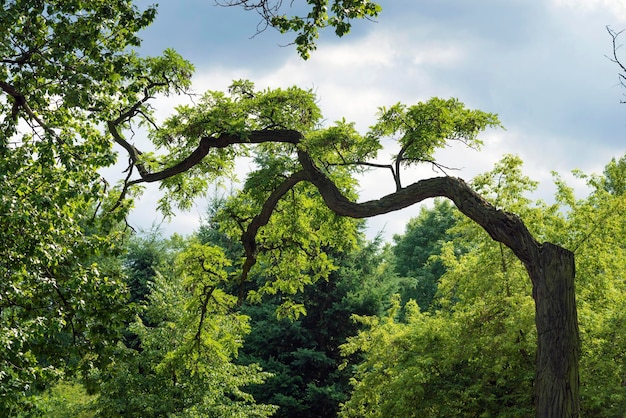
501,226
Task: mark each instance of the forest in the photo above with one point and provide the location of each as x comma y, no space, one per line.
278,304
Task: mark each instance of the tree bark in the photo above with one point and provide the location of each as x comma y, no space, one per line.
558,343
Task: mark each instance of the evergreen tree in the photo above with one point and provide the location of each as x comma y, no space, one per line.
303,354
416,250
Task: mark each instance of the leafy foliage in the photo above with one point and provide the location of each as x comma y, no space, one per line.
304,354
188,336
64,399
62,298
427,126
313,17
72,87
596,231
66,68
416,252
474,355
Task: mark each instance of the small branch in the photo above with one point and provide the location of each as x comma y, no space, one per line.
97,209
615,59
440,167
207,293
399,159
127,184
248,238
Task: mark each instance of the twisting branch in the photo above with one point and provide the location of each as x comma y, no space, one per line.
19,102
248,238
124,117
133,153
207,143
501,226
615,58
196,156
122,195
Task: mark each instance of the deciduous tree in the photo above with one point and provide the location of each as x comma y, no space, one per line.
187,337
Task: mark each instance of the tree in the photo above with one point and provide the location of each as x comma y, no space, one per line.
63,66
474,354
63,301
595,231
444,364
187,337
416,252
350,275
303,354
423,128
68,72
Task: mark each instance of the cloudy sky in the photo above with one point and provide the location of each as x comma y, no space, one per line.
541,65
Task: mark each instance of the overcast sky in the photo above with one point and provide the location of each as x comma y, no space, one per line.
541,65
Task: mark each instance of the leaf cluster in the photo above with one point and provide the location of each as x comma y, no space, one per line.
427,126
310,19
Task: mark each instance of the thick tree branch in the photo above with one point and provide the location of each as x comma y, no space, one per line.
133,153
501,226
222,141
19,102
18,99
248,238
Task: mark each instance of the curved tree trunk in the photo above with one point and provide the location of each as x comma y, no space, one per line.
551,270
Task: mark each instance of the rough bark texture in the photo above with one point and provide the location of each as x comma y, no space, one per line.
558,352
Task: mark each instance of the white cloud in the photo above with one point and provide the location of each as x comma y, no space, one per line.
617,8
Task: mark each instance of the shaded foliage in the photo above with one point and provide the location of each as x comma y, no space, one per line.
304,354
417,249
